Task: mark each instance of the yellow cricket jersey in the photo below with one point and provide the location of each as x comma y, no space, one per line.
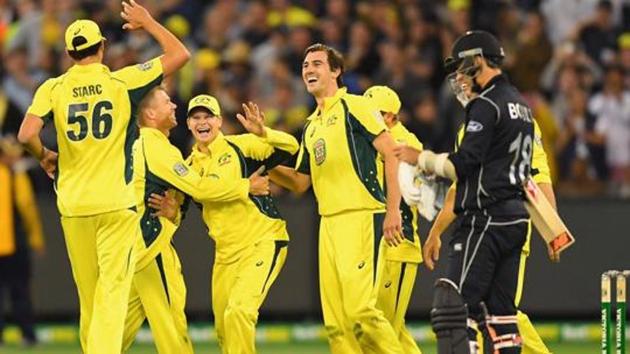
94,112
408,251
159,166
540,166
337,152
237,224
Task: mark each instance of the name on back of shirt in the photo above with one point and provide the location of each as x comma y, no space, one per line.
519,111
89,90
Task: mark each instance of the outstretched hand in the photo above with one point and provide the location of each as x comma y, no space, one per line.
254,119
135,14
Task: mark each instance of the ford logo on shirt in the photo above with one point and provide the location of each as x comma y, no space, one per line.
474,126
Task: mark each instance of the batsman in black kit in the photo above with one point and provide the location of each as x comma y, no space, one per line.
489,168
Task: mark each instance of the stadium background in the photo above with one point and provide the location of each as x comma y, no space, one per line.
568,57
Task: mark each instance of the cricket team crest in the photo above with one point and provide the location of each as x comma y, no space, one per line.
319,151
225,159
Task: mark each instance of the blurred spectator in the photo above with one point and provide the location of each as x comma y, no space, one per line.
425,123
578,147
284,111
394,73
532,53
10,115
424,49
20,82
20,233
362,57
254,27
253,50
611,108
338,12
624,56
562,15
299,39
284,13
599,36
568,56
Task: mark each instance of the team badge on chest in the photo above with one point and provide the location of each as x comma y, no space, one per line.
225,159
319,151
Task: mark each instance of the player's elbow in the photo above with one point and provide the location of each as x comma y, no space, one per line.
173,61
25,134
181,57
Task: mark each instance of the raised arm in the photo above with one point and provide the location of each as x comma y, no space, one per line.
175,53
270,146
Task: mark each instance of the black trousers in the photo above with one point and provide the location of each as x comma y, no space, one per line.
484,259
15,281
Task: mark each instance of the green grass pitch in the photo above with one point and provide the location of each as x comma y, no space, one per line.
305,348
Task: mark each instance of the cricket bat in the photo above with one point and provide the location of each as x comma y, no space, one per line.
545,218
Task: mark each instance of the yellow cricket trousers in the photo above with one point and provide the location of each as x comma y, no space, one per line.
101,252
395,286
158,293
348,253
239,289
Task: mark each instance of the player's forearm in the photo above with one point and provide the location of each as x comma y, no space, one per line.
290,179
547,189
28,136
175,53
281,141
438,164
391,178
446,216
221,191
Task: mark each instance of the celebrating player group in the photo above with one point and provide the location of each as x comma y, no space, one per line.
122,190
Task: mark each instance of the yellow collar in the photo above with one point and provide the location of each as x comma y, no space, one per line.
88,68
216,146
329,102
152,132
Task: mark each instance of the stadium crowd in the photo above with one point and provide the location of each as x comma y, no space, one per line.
571,59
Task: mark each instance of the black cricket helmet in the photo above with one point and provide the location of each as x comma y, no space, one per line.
462,61
471,44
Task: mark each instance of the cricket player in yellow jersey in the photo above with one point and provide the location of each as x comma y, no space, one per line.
401,263
338,154
93,110
158,291
532,343
251,237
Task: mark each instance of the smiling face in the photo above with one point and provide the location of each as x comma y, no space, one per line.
317,74
203,125
158,111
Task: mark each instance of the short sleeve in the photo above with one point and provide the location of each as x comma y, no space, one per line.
141,78
540,166
302,164
42,101
370,120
